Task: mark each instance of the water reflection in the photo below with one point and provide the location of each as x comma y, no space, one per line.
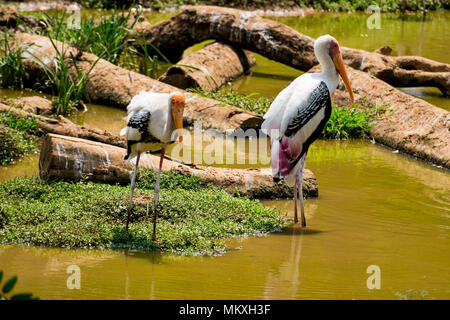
375,207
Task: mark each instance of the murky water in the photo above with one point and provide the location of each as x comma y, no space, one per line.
375,207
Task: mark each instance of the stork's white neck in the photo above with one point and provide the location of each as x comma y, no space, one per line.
170,125
329,74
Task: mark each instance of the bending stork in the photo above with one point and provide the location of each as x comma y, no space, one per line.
299,113
152,121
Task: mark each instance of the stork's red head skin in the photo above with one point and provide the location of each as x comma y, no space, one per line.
334,45
335,55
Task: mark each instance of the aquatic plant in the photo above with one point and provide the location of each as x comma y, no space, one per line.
68,92
109,38
351,121
12,73
88,214
8,286
113,32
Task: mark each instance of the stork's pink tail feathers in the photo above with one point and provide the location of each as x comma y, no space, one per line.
282,156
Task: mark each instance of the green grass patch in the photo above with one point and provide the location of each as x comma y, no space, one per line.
12,73
351,122
92,215
14,144
169,180
14,121
16,136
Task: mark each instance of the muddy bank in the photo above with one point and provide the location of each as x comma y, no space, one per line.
111,85
210,67
72,158
408,124
283,44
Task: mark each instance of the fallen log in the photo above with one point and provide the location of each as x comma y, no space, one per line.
10,17
73,158
112,85
213,66
63,126
408,124
34,104
209,68
281,43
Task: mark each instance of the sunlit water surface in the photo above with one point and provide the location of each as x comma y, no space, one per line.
375,207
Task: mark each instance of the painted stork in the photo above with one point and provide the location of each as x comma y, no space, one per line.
299,113
154,121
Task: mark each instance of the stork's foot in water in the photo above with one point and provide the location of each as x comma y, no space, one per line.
300,196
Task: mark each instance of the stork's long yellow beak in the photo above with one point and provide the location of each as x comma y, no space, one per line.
177,114
339,63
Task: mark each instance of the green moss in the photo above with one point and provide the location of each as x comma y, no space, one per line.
19,123
87,214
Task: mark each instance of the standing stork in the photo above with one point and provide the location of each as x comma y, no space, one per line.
152,121
299,113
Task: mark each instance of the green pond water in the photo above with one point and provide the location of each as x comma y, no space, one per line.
375,207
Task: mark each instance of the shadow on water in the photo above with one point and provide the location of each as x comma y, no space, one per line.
297,230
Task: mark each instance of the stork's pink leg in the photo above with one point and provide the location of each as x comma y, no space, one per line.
133,184
300,188
157,193
295,200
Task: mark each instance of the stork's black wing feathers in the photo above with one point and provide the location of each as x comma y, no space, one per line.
140,120
319,98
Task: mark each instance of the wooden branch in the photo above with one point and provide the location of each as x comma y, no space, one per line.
210,67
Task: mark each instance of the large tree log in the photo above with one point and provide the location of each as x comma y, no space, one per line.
33,104
408,124
10,17
112,85
281,43
72,158
215,65
63,126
